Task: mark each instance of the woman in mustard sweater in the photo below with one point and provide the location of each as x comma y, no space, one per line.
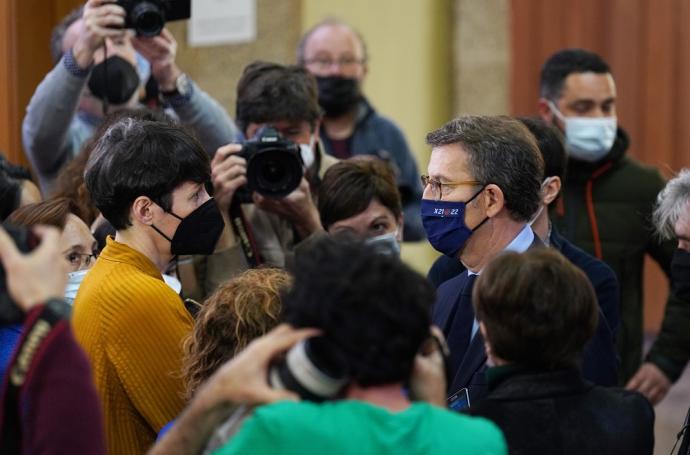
147,179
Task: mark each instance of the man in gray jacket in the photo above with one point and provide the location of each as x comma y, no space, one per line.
73,98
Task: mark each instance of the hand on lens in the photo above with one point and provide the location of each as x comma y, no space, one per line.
244,379
37,276
160,51
428,381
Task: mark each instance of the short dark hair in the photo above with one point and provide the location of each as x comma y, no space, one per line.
550,143
501,151
142,158
329,21
564,63
538,309
348,187
51,212
270,92
70,179
372,306
59,31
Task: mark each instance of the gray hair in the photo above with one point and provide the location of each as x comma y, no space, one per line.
671,204
502,151
330,21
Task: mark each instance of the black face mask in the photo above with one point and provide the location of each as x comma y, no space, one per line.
122,80
198,232
337,95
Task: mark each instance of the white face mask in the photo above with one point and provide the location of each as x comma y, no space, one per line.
385,243
73,283
307,152
587,139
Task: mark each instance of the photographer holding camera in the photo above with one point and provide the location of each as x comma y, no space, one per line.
49,403
101,66
380,330
278,110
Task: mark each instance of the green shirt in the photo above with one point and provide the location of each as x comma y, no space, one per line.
356,427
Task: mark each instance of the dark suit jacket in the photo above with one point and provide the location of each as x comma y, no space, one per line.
560,413
466,365
599,358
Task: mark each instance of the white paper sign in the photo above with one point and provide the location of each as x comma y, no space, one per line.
221,22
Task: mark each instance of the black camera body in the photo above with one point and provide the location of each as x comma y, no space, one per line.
274,165
26,241
148,17
314,369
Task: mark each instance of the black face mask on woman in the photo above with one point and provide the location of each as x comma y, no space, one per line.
337,95
198,232
114,80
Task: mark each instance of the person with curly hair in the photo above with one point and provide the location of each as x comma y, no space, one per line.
244,308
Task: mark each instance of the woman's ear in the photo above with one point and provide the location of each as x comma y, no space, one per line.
142,210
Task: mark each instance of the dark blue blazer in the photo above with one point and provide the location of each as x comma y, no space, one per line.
599,360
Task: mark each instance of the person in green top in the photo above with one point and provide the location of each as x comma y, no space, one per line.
376,312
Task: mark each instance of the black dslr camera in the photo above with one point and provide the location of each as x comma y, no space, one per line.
26,241
274,165
148,17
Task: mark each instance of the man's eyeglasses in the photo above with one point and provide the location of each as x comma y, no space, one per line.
437,187
81,260
325,63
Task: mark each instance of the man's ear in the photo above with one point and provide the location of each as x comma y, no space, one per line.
142,210
545,111
493,198
551,190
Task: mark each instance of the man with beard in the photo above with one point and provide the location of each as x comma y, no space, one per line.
336,55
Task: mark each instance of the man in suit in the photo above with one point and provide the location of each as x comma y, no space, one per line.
481,191
599,358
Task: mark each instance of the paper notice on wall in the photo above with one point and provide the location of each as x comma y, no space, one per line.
221,22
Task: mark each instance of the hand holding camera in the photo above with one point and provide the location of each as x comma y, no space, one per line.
160,51
35,277
428,381
101,19
297,207
228,173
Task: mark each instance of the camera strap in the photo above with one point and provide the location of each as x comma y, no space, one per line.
245,235
40,325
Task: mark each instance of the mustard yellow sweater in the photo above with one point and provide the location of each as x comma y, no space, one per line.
131,325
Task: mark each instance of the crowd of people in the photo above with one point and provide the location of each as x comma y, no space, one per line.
187,282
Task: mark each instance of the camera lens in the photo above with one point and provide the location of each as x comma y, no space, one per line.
274,172
147,18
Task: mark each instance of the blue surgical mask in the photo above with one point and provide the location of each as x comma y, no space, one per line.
385,244
587,139
444,223
73,282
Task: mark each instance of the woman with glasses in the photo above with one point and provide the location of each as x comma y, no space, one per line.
78,248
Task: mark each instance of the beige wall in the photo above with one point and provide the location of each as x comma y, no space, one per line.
481,57
218,68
